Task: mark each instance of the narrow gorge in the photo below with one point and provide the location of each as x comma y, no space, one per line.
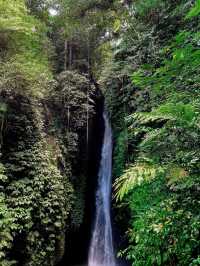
99,132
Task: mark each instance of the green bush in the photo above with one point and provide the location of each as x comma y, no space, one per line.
159,180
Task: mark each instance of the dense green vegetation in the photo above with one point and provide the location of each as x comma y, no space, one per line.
43,130
145,57
155,111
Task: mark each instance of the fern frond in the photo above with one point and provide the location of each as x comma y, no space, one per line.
174,112
135,175
146,118
151,137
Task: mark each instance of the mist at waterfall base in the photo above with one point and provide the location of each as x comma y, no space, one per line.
101,252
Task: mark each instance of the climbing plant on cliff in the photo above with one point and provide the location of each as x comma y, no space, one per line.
146,57
39,147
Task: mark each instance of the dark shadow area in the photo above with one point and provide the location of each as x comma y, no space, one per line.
78,241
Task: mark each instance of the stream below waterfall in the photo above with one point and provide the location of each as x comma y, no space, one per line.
101,252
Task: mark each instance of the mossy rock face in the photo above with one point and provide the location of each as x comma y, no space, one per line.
37,195
60,248
44,127
40,154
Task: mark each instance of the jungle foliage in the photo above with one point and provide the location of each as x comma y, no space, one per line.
145,55
152,90
43,131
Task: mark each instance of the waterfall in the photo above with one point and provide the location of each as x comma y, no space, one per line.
101,251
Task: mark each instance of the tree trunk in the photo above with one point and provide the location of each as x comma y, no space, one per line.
88,59
70,56
65,55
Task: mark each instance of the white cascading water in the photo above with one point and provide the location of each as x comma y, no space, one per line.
101,251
